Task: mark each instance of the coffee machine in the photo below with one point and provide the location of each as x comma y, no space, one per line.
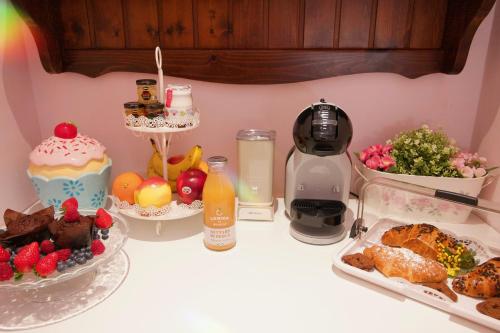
318,174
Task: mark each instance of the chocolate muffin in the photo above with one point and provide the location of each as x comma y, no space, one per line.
72,235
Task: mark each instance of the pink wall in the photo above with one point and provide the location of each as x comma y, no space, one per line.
20,129
487,126
379,104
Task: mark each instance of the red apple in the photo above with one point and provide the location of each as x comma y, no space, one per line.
66,130
190,185
175,159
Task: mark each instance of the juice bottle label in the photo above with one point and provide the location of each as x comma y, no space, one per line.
219,227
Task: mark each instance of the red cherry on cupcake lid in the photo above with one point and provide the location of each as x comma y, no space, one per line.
66,130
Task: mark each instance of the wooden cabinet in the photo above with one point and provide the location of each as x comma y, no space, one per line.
255,41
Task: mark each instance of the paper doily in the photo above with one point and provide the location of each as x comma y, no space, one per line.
188,119
22,310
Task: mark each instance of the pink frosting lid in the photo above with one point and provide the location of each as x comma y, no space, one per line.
77,151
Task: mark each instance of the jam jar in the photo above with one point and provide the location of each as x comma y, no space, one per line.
146,91
133,108
153,110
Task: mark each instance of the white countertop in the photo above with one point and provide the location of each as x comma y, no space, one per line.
268,283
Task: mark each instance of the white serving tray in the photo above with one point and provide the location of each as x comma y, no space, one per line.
465,306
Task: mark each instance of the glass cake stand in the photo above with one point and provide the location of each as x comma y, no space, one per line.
59,286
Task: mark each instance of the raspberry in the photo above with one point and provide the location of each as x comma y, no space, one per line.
63,255
47,265
97,247
47,247
27,258
102,219
4,254
6,272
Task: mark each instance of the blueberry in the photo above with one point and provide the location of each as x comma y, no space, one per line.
87,249
81,260
104,237
70,262
104,232
61,266
96,236
89,255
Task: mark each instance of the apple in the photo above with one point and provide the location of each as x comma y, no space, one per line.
175,159
154,191
190,185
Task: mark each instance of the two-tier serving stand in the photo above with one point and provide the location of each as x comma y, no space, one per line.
162,133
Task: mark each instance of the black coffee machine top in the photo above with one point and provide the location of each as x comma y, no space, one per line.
322,130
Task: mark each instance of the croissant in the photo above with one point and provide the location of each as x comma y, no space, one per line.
396,262
422,239
483,281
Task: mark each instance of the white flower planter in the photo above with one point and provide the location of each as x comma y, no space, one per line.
415,208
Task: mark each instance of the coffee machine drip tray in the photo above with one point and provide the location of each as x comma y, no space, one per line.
318,222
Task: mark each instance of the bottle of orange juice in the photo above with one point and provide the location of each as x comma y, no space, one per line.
219,210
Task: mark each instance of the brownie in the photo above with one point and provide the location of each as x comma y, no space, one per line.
72,235
23,229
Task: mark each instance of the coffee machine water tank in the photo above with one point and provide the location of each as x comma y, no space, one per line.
318,174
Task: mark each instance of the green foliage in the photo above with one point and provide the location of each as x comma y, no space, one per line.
424,152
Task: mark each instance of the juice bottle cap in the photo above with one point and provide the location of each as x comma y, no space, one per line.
215,161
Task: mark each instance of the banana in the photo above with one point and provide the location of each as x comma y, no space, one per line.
192,159
155,164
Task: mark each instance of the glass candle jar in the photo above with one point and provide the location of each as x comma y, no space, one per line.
134,109
255,167
153,110
178,97
146,91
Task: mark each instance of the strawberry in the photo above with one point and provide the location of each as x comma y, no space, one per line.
97,247
27,258
47,265
63,254
66,130
6,272
4,254
103,220
47,247
70,209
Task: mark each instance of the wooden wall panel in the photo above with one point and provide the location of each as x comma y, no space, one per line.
285,24
213,23
355,23
141,24
428,24
177,24
108,29
249,24
75,24
319,23
392,28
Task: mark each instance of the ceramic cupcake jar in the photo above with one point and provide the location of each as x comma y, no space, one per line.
70,164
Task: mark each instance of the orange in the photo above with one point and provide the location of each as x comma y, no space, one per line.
125,184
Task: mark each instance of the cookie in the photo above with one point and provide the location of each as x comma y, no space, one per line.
359,260
490,307
442,287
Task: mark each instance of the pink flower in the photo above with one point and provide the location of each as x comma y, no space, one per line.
467,172
371,150
364,155
458,163
386,149
479,172
373,162
378,148
386,162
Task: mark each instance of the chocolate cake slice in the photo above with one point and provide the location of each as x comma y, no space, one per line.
72,235
23,229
